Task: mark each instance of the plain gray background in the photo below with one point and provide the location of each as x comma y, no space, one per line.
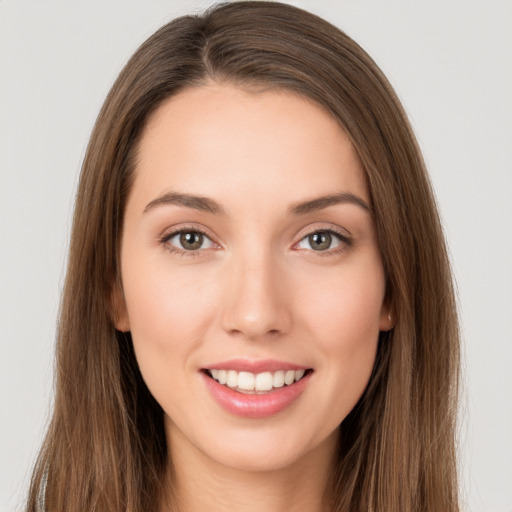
451,63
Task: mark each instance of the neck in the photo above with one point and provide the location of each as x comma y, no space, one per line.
199,483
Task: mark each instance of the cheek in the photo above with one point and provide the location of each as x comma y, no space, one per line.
349,339
169,313
168,310
343,318
162,295
347,306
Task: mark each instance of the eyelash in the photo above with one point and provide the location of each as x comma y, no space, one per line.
344,242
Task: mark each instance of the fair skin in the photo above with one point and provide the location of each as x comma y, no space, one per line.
251,277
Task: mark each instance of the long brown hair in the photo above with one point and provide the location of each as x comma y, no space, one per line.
105,448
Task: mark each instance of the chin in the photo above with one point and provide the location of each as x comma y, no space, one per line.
264,448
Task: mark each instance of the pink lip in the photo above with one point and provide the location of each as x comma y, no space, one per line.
255,406
264,365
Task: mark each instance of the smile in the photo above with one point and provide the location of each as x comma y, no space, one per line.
256,389
251,383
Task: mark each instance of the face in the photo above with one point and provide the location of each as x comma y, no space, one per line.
252,281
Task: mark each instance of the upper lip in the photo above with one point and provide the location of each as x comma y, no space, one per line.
255,366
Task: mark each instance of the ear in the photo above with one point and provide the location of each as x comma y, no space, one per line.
387,319
118,306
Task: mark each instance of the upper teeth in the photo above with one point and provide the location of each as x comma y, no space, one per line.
256,382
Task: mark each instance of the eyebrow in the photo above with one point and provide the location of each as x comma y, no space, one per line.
203,204
320,203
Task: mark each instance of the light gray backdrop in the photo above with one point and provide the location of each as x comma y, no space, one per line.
451,63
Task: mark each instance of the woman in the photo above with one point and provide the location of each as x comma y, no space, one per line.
258,310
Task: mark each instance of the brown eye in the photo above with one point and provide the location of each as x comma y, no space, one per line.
188,241
324,240
191,240
320,241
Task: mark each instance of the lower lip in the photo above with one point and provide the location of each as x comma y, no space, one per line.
256,406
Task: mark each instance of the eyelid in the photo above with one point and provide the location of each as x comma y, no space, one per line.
170,231
309,230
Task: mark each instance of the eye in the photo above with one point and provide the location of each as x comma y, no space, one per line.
189,240
322,241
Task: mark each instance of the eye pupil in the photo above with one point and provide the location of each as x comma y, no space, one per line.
191,240
320,241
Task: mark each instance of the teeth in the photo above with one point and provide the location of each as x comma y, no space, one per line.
222,376
278,379
232,379
263,381
289,377
246,381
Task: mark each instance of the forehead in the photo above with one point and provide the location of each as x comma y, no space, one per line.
223,140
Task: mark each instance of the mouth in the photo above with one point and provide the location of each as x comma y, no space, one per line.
256,383
256,389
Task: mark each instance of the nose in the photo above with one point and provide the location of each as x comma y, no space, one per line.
256,299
